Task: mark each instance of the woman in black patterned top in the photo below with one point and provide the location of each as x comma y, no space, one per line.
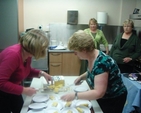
102,75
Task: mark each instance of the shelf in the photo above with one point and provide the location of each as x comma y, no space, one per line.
135,16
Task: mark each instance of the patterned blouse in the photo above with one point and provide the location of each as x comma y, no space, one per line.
105,63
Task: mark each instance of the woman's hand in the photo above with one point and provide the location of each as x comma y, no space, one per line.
68,97
78,81
127,59
107,50
29,91
47,77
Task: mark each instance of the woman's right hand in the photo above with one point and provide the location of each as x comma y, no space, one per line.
78,81
29,91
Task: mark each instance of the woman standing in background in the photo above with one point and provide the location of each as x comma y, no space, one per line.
97,35
98,38
126,48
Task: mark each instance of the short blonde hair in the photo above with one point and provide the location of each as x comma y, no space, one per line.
35,42
93,20
128,21
80,41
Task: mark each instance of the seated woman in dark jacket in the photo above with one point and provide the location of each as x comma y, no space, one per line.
126,48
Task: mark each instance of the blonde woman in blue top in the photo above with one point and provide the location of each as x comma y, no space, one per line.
102,75
97,35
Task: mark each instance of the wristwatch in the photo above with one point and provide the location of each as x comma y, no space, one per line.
76,96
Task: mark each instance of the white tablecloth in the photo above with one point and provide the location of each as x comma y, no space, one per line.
38,83
133,96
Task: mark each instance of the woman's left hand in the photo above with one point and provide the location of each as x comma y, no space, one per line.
107,52
127,59
68,97
47,77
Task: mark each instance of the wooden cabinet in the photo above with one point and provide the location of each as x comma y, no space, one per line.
66,64
55,63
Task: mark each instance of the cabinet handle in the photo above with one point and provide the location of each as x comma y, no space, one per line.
55,54
55,65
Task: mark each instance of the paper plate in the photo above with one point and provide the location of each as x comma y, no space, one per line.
36,111
81,89
85,109
40,98
59,104
37,106
51,110
83,103
65,110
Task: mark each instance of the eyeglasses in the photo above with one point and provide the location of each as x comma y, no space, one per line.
127,26
93,24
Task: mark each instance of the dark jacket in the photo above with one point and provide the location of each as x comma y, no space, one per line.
132,48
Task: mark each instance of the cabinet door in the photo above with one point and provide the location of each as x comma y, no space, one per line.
55,57
70,64
55,68
55,63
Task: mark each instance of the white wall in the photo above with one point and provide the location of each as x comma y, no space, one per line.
43,12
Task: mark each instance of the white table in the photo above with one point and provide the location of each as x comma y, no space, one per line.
38,83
